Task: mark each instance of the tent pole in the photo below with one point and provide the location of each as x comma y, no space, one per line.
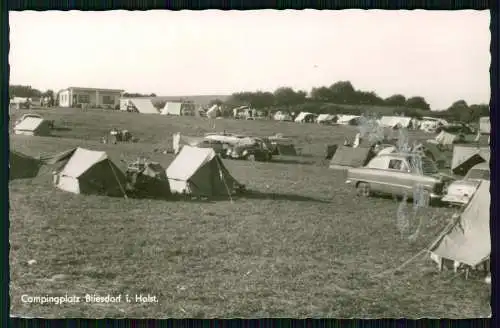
117,180
224,180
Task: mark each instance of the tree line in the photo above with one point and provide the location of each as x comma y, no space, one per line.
342,97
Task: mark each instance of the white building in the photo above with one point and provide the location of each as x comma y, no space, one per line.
92,97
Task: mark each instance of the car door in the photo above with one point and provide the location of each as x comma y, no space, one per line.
398,177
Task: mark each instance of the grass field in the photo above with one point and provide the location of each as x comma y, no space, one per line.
300,245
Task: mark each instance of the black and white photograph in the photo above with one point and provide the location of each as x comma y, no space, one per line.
249,164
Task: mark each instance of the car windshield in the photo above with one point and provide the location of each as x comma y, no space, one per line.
427,166
478,174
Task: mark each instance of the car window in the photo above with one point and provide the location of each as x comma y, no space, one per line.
478,174
395,164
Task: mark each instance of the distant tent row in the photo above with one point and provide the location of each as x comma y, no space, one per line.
145,106
395,121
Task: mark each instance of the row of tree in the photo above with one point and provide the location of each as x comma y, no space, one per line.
342,97
341,92
26,91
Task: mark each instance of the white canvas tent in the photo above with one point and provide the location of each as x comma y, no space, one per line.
172,108
468,240
199,172
33,126
282,116
303,116
144,106
91,172
484,125
395,121
213,111
323,118
346,119
446,139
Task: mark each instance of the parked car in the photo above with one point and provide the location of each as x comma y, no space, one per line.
256,148
460,192
456,128
399,174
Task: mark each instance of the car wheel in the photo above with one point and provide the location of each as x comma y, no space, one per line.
363,189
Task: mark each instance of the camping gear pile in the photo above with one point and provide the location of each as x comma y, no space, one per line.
116,136
146,179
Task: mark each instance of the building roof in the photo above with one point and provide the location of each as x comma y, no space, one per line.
93,89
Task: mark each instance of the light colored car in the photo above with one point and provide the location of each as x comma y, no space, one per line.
459,192
399,174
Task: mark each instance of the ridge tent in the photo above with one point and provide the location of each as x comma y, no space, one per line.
465,157
91,172
172,108
468,240
143,106
346,157
446,139
200,172
33,126
213,111
22,166
325,118
484,125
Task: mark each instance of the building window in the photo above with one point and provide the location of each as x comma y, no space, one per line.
108,100
83,99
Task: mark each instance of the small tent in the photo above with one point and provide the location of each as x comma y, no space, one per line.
305,117
200,172
468,240
22,166
325,118
33,126
446,139
484,125
172,108
346,157
143,105
465,157
91,172
213,112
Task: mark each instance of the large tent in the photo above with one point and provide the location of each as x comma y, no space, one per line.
346,157
395,121
22,166
33,126
465,157
91,172
304,117
468,240
200,172
172,108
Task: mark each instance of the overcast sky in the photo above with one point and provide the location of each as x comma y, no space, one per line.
443,56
